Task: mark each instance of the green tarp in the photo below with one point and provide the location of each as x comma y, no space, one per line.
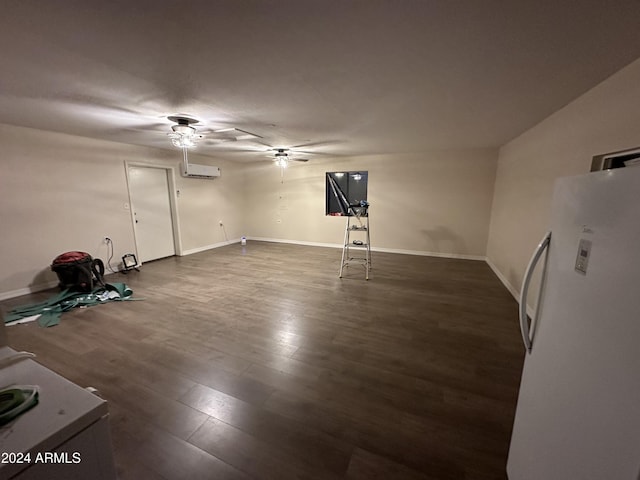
51,309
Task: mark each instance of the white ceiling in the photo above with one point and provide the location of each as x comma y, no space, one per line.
345,77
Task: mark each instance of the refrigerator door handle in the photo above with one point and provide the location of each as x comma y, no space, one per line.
524,324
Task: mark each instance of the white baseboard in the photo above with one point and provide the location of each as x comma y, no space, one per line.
503,279
27,290
294,242
426,254
209,247
512,290
373,249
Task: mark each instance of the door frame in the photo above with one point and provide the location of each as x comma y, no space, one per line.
173,202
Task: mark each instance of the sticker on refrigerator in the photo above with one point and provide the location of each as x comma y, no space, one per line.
582,259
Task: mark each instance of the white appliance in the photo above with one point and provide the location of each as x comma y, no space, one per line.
64,437
200,171
578,413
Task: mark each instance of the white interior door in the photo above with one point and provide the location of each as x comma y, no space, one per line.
149,190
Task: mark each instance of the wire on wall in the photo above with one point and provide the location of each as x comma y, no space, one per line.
110,254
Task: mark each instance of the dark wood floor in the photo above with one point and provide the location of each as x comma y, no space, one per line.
259,362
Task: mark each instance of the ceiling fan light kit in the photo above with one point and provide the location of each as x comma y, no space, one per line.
183,135
282,157
183,142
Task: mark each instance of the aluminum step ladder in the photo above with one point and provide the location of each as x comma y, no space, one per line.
358,224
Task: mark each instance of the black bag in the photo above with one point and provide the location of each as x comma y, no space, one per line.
78,271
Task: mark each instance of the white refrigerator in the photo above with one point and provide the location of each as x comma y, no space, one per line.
578,413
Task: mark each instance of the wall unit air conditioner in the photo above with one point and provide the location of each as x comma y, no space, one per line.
200,171
621,159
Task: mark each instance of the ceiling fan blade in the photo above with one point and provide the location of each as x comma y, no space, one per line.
223,145
299,159
316,153
323,143
233,134
158,127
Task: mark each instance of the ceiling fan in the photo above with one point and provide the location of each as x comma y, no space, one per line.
282,158
184,133
284,155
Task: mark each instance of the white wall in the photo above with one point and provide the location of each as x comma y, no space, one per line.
605,119
61,192
438,202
